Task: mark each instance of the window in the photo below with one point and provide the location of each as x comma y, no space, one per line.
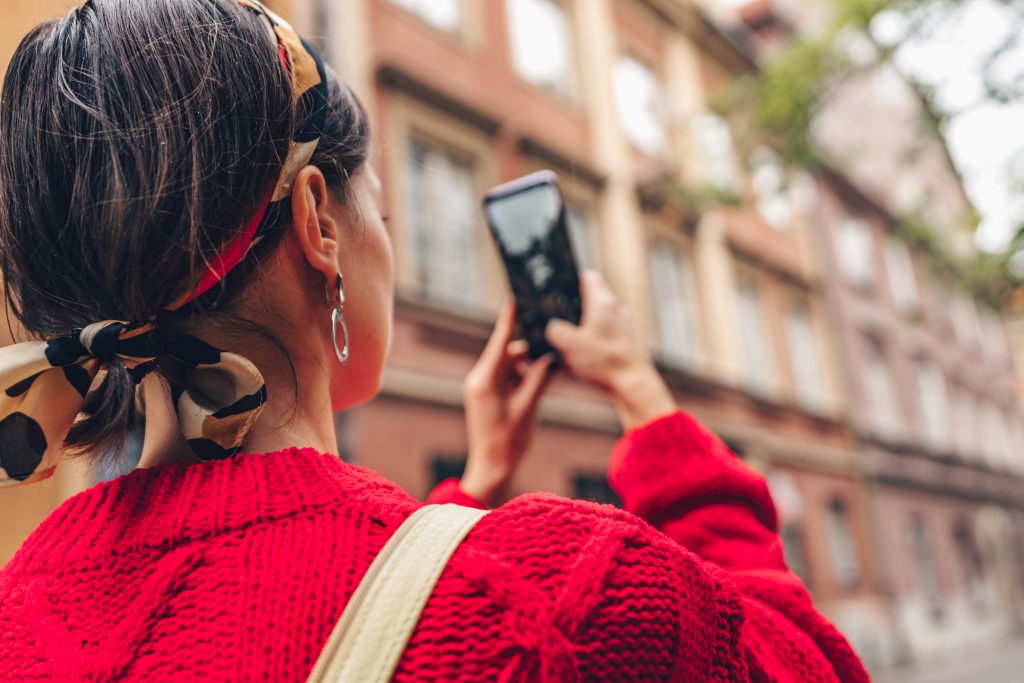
803,356
672,281
790,505
971,562
931,389
880,393
444,467
966,324
965,420
1004,442
902,283
997,446
717,152
755,345
854,246
541,44
639,102
793,546
444,14
595,488
771,186
841,551
1017,427
442,207
584,237
923,562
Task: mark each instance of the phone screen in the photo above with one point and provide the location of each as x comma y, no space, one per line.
528,220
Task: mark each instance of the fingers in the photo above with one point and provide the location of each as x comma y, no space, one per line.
593,288
597,295
561,334
534,381
596,298
590,280
504,328
493,363
517,349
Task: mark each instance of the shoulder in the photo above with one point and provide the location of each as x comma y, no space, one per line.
546,527
595,588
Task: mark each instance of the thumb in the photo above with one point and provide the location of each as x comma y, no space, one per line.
561,334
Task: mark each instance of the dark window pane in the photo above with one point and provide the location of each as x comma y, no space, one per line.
447,467
595,488
845,566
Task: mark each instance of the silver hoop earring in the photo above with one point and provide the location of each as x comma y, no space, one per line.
338,318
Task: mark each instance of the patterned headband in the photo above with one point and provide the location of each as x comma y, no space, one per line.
43,384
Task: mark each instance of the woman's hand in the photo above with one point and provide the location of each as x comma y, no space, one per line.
501,395
605,350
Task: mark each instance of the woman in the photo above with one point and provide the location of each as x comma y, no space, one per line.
188,203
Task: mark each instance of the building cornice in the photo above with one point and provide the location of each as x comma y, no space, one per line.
468,332
397,78
531,146
942,477
713,39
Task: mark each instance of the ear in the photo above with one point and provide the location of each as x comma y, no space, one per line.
315,230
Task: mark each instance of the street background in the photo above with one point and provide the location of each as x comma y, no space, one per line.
812,207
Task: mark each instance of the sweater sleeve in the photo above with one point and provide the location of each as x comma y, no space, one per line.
449,491
685,482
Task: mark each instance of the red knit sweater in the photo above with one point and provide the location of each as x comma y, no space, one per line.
238,569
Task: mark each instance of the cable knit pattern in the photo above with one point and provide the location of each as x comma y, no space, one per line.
238,570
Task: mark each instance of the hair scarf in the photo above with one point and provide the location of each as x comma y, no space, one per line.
43,384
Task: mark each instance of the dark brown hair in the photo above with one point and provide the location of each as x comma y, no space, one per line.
135,139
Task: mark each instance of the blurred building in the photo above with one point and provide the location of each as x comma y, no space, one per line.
779,307
931,381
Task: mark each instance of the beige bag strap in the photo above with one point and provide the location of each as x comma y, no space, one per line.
369,639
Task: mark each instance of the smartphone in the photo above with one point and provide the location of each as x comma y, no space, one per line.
528,220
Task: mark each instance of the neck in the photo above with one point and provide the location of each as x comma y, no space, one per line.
299,414
294,416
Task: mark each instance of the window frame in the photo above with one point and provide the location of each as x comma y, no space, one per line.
569,94
932,390
451,159
409,117
410,7
764,381
866,274
923,566
885,420
764,196
904,288
721,169
682,250
841,541
662,146
809,392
